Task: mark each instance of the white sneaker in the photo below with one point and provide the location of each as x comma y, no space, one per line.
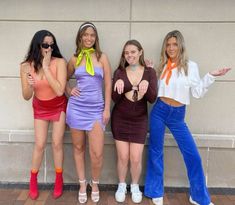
136,194
120,194
195,203
157,201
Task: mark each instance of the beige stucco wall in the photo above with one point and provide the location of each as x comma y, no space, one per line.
209,31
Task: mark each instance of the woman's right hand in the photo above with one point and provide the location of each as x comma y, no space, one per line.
27,81
75,92
119,86
30,79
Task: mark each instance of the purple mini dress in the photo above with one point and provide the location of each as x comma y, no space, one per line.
87,108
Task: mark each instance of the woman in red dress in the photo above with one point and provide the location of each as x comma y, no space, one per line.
43,77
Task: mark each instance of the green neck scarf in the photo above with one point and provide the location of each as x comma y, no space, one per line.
89,66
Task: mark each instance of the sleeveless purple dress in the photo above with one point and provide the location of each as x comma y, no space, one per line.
84,110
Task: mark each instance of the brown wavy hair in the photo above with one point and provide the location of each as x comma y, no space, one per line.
123,63
80,33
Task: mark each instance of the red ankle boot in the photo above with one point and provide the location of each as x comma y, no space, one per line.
33,186
58,188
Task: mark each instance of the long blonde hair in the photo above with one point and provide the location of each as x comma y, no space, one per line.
182,55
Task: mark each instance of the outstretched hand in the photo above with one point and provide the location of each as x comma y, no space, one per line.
220,72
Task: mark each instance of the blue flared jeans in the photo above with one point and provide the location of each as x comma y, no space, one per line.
163,115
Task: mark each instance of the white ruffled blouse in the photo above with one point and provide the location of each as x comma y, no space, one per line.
180,85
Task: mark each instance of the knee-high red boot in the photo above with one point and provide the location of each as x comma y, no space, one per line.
33,186
58,187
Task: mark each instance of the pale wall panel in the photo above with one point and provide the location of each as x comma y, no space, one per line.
214,114
175,173
210,45
16,113
112,38
208,27
72,10
19,35
17,153
221,159
16,163
183,10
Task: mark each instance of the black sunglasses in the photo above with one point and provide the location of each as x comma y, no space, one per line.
46,45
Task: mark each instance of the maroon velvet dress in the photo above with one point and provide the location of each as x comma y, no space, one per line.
129,120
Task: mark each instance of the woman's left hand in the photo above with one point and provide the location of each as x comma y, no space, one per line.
220,72
106,116
143,87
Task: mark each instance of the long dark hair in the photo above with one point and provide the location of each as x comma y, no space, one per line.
81,32
123,63
34,54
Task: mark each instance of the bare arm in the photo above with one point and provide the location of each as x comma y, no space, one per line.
58,84
26,81
151,93
107,87
71,69
118,87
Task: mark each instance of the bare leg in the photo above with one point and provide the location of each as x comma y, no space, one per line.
79,147
96,145
123,149
136,151
57,140
40,129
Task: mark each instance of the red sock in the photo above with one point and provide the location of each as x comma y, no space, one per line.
58,188
33,186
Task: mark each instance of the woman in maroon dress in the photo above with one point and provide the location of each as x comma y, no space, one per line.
134,85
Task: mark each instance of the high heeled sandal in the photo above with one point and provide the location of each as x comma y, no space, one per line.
82,197
95,195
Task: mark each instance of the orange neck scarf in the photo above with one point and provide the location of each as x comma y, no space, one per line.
168,71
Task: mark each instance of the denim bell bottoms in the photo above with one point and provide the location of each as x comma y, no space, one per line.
163,115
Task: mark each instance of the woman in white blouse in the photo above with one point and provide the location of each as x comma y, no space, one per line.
178,76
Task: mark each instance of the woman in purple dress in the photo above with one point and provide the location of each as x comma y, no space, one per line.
87,111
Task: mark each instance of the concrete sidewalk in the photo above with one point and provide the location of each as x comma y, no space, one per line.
19,196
